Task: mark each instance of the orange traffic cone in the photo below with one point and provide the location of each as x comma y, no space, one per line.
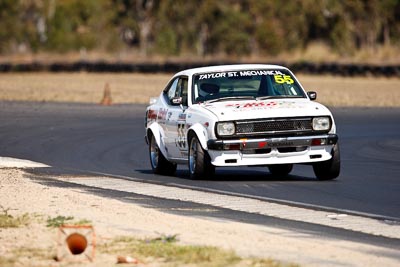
106,101
76,243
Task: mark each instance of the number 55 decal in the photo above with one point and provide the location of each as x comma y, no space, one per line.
283,79
181,140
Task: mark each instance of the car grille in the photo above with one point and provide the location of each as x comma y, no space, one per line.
274,126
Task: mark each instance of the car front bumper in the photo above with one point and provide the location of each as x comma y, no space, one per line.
269,151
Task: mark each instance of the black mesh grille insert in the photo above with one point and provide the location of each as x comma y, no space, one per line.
274,126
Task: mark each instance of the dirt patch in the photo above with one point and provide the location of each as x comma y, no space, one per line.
354,92
34,244
80,87
138,88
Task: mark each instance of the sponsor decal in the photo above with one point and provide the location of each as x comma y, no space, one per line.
246,73
283,79
182,117
281,144
253,104
261,105
162,114
152,114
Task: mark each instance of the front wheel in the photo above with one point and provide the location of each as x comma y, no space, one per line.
199,161
330,169
280,169
159,163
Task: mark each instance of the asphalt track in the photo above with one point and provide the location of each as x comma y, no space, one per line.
91,138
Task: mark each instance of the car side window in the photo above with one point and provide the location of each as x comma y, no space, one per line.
183,89
172,91
177,90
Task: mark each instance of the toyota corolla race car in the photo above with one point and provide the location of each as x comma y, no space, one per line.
240,115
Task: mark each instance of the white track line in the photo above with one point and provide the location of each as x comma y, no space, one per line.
343,221
6,162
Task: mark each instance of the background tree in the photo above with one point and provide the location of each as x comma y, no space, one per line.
10,33
202,28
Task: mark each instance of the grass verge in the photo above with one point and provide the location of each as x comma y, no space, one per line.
9,221
27,256
63,220
167,252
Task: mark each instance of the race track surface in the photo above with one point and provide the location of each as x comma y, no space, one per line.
91,138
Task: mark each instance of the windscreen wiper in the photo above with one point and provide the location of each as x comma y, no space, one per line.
227,98
277,96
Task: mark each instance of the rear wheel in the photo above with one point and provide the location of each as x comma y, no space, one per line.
280,169
330,169
199,161
159,163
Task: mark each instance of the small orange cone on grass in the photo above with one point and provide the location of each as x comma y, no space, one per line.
106,101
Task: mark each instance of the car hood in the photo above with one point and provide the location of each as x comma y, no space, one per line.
255,109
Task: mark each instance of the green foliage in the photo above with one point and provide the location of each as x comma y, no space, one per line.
83,222
75,25
176,27
9,24
231,33
165,251
62,220
8,221
171,253
164,238
58,221
166,41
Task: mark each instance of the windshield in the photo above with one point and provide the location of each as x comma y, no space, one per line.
245,84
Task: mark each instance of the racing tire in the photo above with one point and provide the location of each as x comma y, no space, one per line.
199,162
159,164
280,169
330,169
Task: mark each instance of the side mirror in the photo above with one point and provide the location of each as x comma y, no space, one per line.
312,95
176,101
153,100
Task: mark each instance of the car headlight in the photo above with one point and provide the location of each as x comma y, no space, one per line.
225,128
321,124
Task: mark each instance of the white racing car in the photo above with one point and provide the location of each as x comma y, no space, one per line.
240,115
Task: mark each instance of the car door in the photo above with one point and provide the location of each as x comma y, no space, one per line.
175,127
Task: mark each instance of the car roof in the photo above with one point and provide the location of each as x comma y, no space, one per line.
235,67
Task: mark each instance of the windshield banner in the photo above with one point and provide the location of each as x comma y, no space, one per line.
244,73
